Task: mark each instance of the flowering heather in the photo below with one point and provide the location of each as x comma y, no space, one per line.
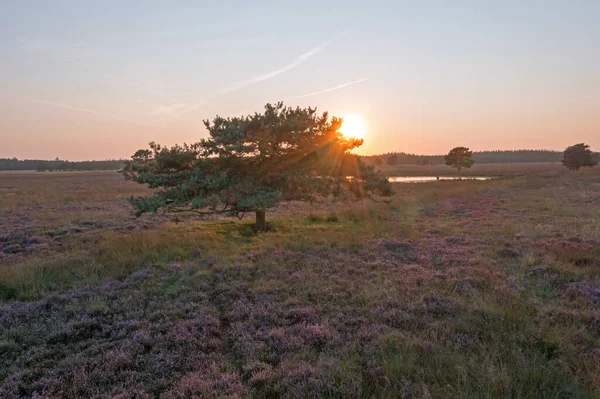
452,290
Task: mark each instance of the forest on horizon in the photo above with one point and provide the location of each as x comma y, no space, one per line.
485,157
497,156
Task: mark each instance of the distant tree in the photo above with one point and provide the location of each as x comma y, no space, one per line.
392,160
252,163
378,161
459,157
579,155
497,156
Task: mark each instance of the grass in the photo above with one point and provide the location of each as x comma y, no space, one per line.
453,289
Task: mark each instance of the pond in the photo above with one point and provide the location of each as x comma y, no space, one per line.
422,179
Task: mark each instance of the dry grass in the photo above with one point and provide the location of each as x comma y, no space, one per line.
454,289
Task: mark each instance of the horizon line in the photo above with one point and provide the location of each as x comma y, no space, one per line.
360,155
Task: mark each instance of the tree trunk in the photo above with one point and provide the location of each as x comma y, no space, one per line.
261,224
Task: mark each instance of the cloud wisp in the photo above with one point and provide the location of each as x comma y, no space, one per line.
338,87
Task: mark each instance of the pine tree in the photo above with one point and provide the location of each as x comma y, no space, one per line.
459,157
392,160
252,163
579,155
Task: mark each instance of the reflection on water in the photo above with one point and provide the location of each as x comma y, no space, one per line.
421,179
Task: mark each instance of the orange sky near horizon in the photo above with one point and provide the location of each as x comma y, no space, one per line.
85,136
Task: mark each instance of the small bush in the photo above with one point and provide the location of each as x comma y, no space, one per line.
332,218
314,218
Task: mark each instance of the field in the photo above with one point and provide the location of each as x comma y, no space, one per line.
455,289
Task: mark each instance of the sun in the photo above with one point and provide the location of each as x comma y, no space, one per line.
353,126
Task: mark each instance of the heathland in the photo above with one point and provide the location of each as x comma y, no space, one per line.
449,289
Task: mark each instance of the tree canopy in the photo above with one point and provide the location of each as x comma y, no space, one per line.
252,163
579,155
392,160
459,157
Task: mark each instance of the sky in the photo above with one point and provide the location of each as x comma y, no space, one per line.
99,80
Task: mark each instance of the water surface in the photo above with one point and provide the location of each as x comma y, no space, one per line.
421,179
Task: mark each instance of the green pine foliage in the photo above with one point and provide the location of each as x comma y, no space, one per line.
252,163
460,157
579,155
392,160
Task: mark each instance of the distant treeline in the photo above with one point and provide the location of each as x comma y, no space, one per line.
59,165
402,158
508,156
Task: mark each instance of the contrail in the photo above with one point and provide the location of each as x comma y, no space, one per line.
45,46
121,80
241,84
244,83
330,89
87,110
